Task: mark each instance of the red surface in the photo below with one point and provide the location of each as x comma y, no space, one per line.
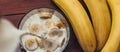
14,10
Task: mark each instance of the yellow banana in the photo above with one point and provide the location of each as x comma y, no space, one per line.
80,22
101,20
112,43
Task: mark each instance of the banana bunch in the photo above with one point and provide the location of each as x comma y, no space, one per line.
100,15
104,35
113,42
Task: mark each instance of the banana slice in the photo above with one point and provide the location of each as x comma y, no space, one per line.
55,32
50,45
60,25
48,23
46,13
35,28
40,43
29,42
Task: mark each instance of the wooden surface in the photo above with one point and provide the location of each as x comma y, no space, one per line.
14,10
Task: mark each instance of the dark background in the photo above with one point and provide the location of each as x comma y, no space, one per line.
14,10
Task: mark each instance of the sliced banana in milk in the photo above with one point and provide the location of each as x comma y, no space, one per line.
48,31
